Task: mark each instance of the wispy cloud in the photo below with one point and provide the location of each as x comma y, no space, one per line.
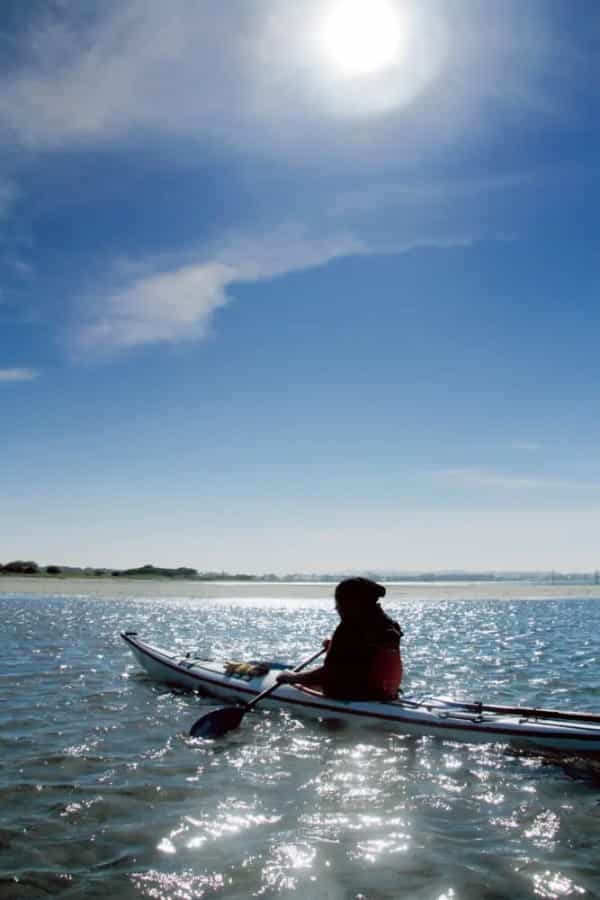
20,374
166,306
145,65
177,303
105,73
23,269
485,479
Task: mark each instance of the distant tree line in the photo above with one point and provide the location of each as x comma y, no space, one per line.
149,571
21,567
29,567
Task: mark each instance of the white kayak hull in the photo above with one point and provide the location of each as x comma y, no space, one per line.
451,720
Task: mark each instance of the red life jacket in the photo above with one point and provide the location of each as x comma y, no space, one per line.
363,658
385,672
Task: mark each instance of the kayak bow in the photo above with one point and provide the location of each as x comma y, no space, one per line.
454,720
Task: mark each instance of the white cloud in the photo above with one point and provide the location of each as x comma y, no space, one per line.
252,81
481,478
176,303
22,268
255,78
167,306
17,266
20,374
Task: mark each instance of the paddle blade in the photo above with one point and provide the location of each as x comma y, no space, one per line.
217,722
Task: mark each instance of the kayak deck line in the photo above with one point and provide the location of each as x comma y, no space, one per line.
452,719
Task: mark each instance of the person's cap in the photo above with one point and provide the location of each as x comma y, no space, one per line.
359,589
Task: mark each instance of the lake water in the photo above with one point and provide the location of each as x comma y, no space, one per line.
102,794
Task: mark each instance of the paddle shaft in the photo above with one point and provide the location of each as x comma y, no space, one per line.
298,668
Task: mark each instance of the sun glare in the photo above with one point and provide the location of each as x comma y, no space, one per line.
361,36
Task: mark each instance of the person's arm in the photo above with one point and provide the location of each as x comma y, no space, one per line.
313,677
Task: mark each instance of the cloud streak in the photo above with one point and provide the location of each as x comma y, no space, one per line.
474,477
177,304
252,84
18,374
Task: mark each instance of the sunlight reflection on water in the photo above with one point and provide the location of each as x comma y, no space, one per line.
102,792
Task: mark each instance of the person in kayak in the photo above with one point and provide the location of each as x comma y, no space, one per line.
363,659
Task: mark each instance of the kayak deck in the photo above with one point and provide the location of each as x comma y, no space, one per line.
450,719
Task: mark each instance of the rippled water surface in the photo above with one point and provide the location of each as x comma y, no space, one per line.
102,794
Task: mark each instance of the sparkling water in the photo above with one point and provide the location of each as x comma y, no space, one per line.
103,794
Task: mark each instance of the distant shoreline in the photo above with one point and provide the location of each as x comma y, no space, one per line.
255,579
280,593
31,570
440,581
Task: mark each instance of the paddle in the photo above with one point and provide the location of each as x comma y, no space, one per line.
218,721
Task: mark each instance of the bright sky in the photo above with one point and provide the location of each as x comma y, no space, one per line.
300,286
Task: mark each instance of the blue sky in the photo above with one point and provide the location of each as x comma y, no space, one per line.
300,287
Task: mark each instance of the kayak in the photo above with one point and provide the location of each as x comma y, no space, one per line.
455,720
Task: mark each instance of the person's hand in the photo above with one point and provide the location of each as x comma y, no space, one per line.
285,678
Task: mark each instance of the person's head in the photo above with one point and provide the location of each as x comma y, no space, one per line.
356,597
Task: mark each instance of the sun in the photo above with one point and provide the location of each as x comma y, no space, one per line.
361,37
